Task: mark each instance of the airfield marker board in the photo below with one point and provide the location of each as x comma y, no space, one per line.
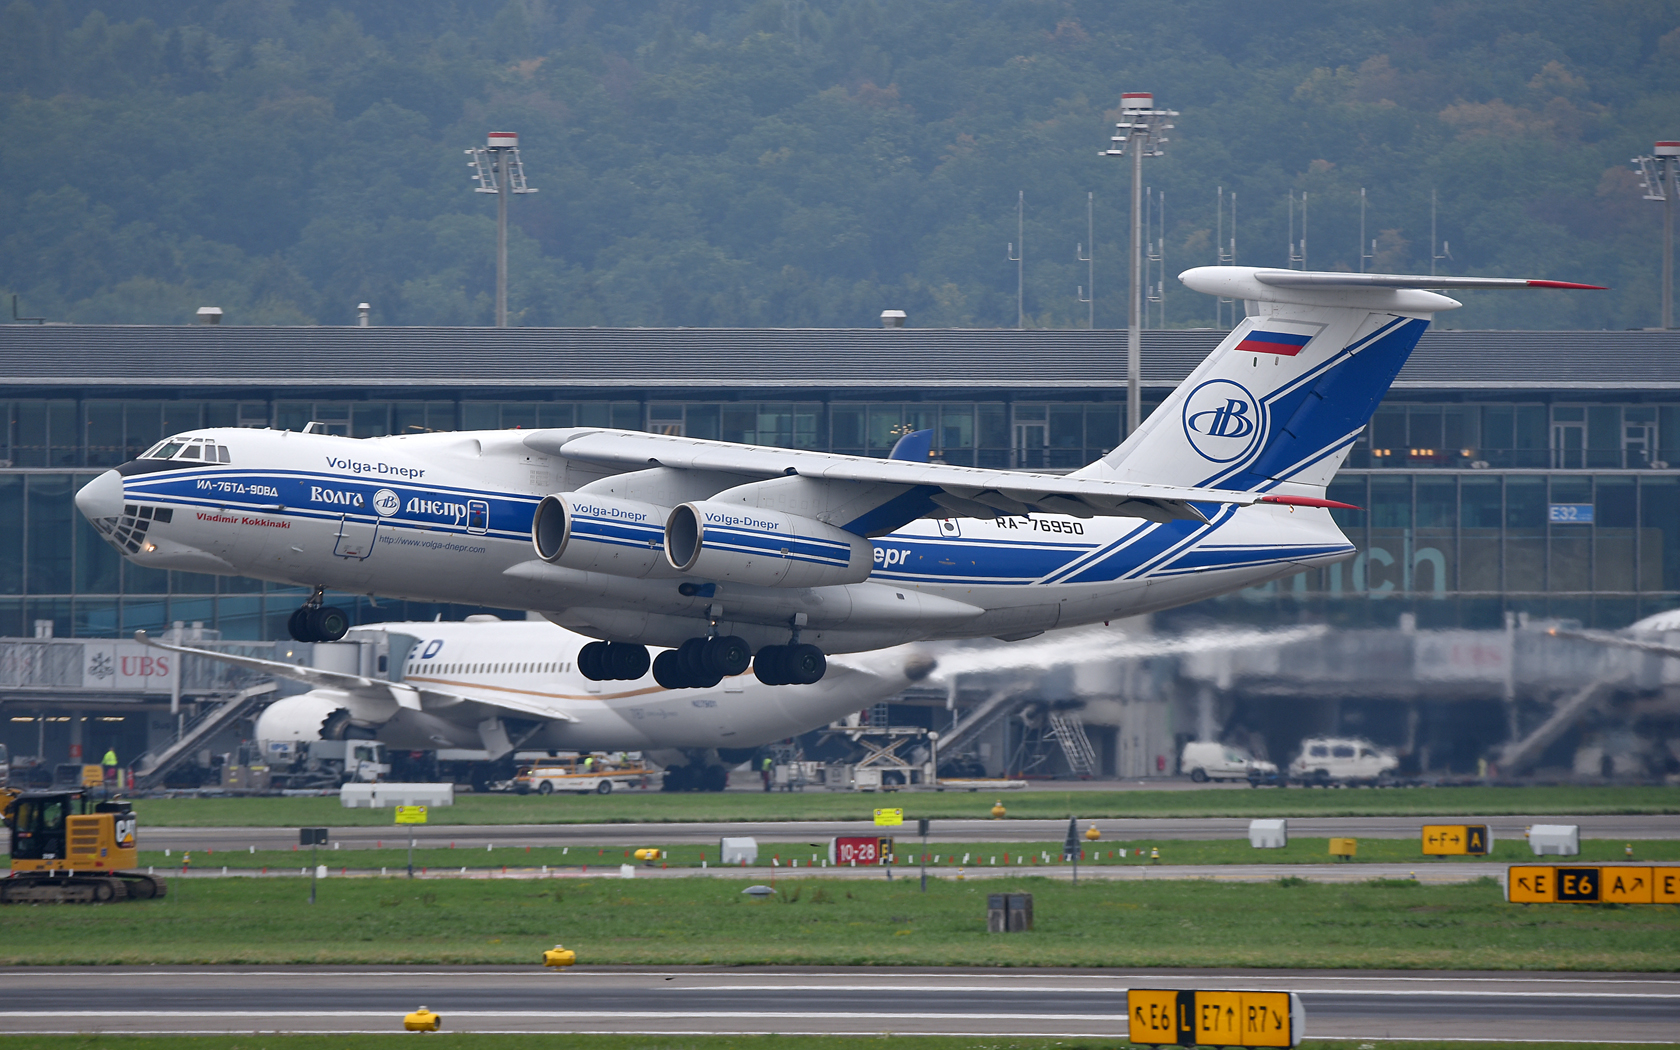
1456,840
411,815
1181,1017
889,818
1597,884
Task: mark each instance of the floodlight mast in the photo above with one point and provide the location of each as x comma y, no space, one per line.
498,169
1140,135
1659,173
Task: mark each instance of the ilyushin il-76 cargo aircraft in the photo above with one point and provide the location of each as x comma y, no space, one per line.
740,555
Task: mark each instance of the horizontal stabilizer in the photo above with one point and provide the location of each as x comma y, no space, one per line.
1311,279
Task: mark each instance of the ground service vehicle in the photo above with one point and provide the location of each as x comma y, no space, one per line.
68,848
1325,760
1208,760
549,777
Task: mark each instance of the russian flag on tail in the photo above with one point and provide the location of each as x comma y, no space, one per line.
1284,344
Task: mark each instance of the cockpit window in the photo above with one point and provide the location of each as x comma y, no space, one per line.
197,449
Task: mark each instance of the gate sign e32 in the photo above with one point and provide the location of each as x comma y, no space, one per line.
1173,1017
1569,513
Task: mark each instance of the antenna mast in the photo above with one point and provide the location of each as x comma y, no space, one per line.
1016,255
1088,257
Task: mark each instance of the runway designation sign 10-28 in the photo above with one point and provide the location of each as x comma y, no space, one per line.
1171,1017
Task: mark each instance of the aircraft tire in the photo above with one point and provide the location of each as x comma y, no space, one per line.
668,672
690,655
770,665
591,660
298,625
805,664
328,623
677,778
713,778
626,661
725,656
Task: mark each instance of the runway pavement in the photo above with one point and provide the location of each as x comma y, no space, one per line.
864,1000
1613,826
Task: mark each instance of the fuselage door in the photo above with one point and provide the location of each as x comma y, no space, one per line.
355,538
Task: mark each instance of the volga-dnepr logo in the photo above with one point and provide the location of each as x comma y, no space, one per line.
1223,421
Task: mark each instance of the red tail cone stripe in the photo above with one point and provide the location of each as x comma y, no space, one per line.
1308,501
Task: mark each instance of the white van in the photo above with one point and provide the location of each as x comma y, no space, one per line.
1325,760
1205,761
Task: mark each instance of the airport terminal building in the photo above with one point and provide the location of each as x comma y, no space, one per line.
1534,473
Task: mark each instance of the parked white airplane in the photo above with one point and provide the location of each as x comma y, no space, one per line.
499,685
724,549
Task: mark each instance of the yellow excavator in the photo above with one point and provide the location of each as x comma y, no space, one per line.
70,848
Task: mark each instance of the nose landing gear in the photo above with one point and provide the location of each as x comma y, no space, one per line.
315,622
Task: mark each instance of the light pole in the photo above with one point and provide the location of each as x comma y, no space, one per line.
498,169
1659,172
1140,135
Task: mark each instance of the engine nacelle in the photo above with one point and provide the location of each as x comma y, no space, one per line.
601,534
765,548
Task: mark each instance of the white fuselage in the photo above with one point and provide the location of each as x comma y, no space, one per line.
466,673
448,517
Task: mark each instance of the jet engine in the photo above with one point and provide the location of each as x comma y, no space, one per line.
601,534
766,548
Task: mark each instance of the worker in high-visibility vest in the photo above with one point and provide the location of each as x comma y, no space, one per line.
109,764
769,763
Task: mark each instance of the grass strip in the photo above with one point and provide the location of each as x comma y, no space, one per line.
446,1040
1381,924
941,857
1037,801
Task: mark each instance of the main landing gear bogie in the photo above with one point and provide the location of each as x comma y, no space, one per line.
612,661
702,663
797,664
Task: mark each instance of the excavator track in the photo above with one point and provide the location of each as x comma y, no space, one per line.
63,889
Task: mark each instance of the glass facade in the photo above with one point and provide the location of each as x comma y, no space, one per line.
1565,508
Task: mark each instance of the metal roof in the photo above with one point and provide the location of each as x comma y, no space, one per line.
779,360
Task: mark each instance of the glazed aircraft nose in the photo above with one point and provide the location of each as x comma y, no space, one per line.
101,498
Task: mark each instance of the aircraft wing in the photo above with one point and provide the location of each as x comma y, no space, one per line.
1617,641
310,676
357,684
973,492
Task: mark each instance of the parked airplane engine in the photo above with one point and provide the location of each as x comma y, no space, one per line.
601,534
766,548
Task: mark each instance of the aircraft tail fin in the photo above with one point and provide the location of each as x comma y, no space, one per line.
1279,403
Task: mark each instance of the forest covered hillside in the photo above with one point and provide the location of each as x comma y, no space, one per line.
810,162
